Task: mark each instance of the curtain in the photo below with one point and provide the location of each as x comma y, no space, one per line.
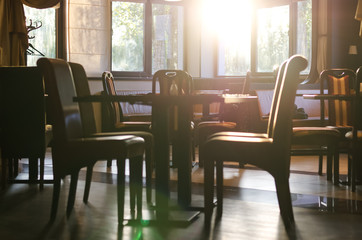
13,33
358,15
41,3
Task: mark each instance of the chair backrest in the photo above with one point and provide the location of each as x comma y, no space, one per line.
115,112
357,117
280,122
22,110
64,112
246,84
165,78
82,89
278,84
338,81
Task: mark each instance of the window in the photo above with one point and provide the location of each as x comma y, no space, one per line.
265,34
146,36
42,40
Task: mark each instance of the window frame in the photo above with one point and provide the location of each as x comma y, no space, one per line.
57,32
147,41
293,14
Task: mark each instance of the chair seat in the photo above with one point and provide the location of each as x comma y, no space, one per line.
315,132
132,126
349,135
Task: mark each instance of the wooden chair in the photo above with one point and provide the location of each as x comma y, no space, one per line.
354,137
114,120
174,82
317,140
71,150
89,126
24,132
231,118
270,151
338,81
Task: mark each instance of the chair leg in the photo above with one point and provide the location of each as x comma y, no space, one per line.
320,165
353,175
33,169
4,163
11,168
72,192
16,167
132,183
219,187
149,171
329,163
201,157
208,190
109,163
138,181
88,180
285,201
120,189
354,159
349,174
41,184
336,165
55,201
193,145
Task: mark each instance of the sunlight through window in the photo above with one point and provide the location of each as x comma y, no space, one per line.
230,21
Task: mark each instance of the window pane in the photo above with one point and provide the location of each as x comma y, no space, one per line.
234,40
167,37
41,39
304,31
272,37
127,36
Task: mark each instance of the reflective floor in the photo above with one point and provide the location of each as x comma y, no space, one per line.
322,210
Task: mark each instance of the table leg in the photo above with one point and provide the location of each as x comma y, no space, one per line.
162,156
33,169
184,151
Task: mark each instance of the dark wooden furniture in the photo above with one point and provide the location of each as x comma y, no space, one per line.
270,151
175,83
71,150
355,136
161,105
89,126
233,116
113,119
23,130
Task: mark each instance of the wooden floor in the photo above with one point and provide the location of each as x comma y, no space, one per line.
322,210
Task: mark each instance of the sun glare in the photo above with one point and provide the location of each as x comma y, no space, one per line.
227,18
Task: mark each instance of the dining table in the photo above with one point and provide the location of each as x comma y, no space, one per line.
161,105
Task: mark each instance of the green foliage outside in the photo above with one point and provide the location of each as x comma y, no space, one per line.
127,36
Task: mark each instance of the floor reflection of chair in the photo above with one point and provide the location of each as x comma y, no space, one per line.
71,151
89,126
270,152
